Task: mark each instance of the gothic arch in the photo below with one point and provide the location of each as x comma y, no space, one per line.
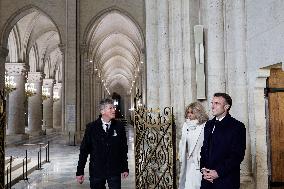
16,16
104,32
100,15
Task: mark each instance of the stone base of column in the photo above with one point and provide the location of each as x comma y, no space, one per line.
34,133
16,138
47,130
58,129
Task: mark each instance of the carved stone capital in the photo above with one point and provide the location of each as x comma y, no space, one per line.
57,86
15,69
34,77
48,83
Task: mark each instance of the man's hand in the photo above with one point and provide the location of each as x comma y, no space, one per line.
124,175
209,175
213,174
80,179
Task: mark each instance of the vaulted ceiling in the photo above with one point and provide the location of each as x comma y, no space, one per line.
34,40
115,47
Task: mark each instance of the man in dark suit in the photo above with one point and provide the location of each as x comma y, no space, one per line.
105,141
223,147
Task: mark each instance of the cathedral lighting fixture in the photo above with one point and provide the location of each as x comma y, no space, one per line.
45,93
10,85
30,89
56,96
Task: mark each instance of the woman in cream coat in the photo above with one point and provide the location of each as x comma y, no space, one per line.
190,146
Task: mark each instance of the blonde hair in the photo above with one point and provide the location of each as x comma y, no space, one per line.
198,110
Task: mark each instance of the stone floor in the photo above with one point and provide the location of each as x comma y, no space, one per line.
60,172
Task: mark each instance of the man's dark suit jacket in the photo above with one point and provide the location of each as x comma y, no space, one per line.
108,151
223,151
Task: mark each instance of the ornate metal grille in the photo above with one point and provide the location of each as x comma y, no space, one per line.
155,166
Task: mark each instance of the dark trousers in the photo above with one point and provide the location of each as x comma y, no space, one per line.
114,182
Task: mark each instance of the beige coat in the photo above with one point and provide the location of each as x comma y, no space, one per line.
189,155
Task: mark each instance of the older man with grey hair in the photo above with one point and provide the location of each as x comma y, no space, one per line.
105,141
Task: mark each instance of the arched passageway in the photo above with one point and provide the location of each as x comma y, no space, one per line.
34,64
113,62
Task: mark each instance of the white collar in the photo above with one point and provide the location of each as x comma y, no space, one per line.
104,123
220,119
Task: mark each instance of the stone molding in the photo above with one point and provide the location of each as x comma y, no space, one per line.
34,77
83,48
261,130
3,52
48,83
57,86
62,48
15,69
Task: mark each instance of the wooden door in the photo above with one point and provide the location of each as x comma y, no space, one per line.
276,124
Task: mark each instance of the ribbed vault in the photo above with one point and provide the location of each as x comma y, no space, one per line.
34,39
114,45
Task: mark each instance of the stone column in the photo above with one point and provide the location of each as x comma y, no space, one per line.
63,104
215,48
48,106
151,61
57,110
35,104
261,130
97,96
189,19
236,66
176,64
16,108
3,55
163,54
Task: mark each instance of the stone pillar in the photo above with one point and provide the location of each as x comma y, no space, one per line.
236,66
189,19
3,55
63,104
261,130
16,108
48,106
163,54
35,104
215,48
176,65
57,110
98,97
151,61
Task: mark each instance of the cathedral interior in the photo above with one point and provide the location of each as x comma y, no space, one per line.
59,58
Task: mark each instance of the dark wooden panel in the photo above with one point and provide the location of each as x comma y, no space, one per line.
276,125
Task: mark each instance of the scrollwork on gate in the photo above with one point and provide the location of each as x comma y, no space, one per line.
155,166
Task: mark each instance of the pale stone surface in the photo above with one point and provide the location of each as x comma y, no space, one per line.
163,53
16,99
261,131
215,65
236,70
48,105
176,62
57,110
35,104
152,59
